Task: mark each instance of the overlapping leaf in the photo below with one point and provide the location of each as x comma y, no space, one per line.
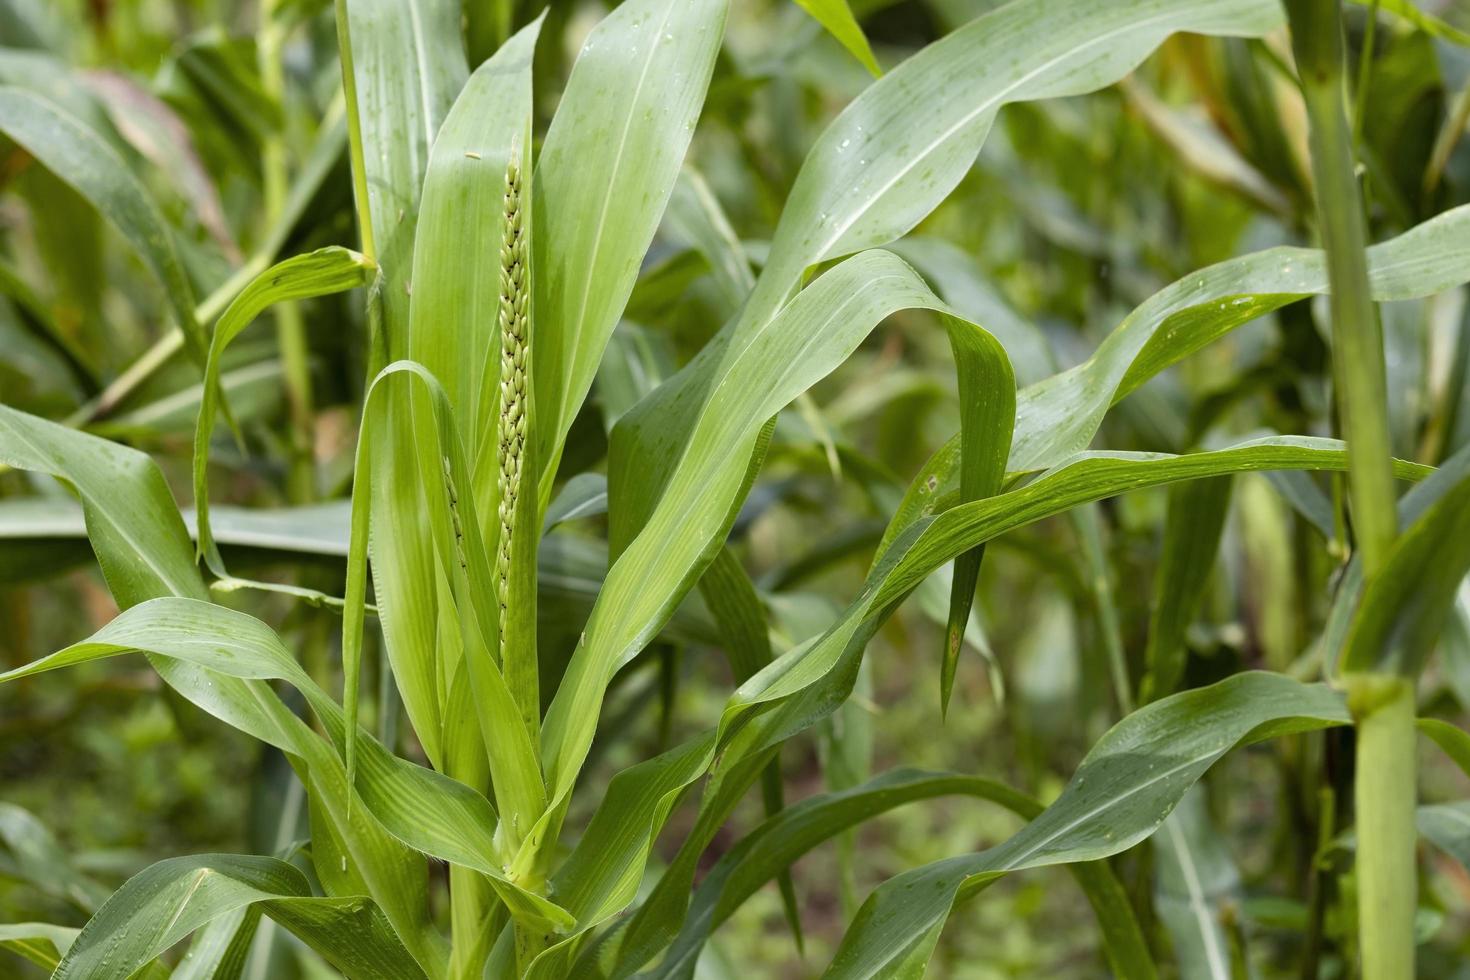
166,902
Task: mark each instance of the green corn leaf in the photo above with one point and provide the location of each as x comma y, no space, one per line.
404,64
320,273
1060,415
464,562
1455,742
810,681
836,17
880,167
77,155
1196,517
40,942
779,841
167,901
815,334
407,65
221,949
456,258
959,281
40,537
132,520
430,812
144,551
1092,476
606,171
456,331
1404,609
1121,793
584,495
1195,879
696,218
1412,507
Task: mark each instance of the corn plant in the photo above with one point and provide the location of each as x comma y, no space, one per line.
492,265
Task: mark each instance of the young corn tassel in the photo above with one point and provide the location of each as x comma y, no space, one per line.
514,354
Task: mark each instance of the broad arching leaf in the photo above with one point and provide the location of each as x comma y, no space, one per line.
169,900
1121,793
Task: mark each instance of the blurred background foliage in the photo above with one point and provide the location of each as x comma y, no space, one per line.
1076,211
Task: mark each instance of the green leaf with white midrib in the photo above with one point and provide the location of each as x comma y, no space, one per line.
463,562
430,812
320,273
606,170
762,375
131,516
456,293
1060,415
1143,766
145,553
167,901
808,682
856,190
451,329
42,943
779,841
863,184
1194,879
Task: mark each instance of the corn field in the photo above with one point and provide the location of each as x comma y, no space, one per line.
734,488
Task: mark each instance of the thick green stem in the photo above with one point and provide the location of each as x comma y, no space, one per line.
1356,334
1382,703
1383,710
